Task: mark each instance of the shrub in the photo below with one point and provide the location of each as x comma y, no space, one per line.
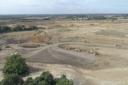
0,48
19,28
4,29
15,64
63,81
29,81
45,79
15,67
12,79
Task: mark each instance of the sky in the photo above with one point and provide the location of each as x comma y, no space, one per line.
63,6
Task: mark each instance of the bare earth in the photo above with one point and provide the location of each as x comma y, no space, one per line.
89,52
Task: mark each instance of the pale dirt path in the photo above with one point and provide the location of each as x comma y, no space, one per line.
55,55
116,76
113,73
81,76
48,46
112,76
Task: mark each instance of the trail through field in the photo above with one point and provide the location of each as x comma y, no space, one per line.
77,65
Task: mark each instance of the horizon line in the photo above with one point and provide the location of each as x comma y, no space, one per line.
70,14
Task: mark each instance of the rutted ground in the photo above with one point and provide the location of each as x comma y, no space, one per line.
90,53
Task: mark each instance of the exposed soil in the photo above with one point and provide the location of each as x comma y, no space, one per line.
89,52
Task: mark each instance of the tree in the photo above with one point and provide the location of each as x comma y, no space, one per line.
63,81
12,79
15,64
15,67
45,78
29,81
18,28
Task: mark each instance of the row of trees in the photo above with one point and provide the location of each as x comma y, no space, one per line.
46,78
15,69
4,29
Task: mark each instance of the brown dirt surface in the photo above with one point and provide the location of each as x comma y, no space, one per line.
89,52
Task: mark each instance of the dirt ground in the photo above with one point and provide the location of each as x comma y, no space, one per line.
89,52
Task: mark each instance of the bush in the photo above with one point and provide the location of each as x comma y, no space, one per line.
15,64
12,79
45,79
15,67
63,81
0,48
29,81
4,29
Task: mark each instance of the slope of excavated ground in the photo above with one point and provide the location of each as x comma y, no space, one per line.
81,67
54,55
113,76
96,54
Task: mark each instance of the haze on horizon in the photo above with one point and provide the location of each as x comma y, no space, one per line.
62,6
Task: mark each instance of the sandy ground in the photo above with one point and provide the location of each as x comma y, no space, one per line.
89,52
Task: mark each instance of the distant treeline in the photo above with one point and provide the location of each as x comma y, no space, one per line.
92,17
4,29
